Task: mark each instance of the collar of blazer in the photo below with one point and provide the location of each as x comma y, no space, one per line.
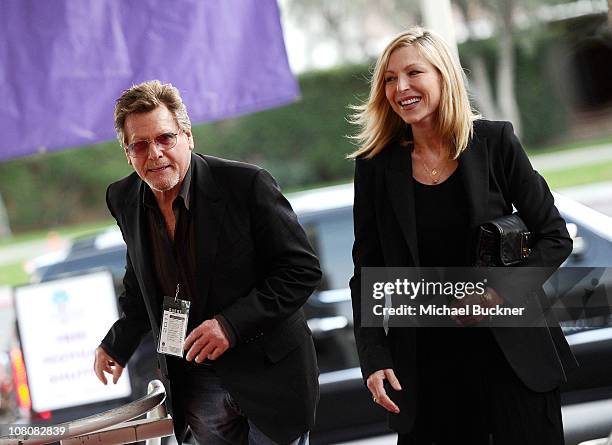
208,214
474,170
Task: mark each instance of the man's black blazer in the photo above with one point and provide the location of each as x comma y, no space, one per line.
496,174
254,266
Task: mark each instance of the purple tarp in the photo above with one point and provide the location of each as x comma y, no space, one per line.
64,62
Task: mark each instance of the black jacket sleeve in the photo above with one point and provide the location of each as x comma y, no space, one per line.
291,269
551,243
371,341
133,324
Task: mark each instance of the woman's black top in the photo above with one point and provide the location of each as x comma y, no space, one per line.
451,362
442,221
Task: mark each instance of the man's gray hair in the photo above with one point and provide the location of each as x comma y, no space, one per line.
145,97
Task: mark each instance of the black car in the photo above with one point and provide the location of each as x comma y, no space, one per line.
345,410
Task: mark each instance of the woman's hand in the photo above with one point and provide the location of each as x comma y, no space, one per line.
376,386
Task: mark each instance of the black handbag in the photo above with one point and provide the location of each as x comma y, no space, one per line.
503,241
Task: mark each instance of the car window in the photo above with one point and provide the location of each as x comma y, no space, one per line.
591,256
331,234
112,258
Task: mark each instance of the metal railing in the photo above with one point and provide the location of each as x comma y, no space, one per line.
114,426
604,441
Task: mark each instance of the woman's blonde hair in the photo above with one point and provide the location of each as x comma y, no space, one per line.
379,124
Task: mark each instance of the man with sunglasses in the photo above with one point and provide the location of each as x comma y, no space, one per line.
216,254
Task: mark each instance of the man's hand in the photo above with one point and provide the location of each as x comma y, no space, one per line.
105,363
489,299
207,341
376,386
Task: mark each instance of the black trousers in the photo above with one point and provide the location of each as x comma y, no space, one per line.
468,394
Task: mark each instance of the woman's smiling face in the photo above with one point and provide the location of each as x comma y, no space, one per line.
412,86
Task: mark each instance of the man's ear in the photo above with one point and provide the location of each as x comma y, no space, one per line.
190,139
129,160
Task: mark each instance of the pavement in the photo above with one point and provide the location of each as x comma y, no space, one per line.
31,249
572,158
597,196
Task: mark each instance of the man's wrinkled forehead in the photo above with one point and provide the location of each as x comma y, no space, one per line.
139,126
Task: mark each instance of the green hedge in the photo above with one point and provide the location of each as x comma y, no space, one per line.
303,143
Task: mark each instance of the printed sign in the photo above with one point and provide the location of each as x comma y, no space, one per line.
61,323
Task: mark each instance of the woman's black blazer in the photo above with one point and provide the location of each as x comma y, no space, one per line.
496,175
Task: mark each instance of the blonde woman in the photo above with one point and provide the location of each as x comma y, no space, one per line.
428,172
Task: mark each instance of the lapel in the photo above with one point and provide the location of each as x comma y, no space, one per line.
400,187
135,222
474,171
208,215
